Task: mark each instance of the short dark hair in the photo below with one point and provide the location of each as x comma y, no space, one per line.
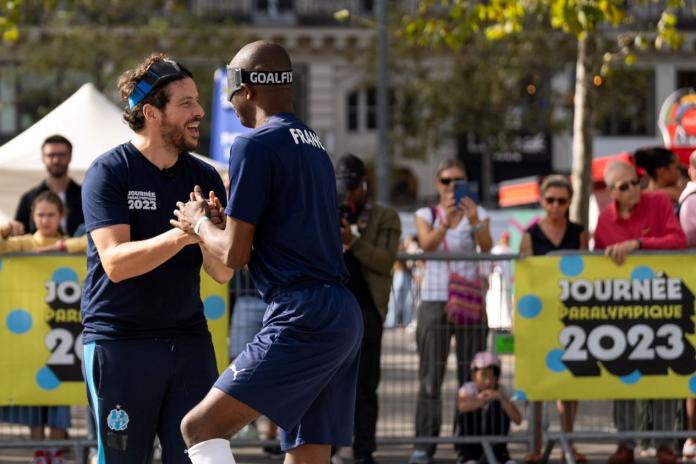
158,98
57,139
652,158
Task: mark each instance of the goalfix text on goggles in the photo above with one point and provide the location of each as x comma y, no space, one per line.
238,76
160,73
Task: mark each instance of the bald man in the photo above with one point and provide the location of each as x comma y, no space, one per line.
282,220
635,219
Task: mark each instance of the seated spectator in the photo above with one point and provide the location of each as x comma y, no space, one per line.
485,408
633,221
663,169
47,212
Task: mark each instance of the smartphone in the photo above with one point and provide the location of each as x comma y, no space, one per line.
462,189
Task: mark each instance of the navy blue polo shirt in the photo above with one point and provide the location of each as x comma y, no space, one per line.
123,187
282,181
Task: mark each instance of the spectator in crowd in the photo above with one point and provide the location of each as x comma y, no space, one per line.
56,153
450,227
687,219
47,211
687,204
485,408
370,235
637,220
400,306
553,233
663,169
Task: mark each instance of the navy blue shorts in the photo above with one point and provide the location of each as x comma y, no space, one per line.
300,370
142,388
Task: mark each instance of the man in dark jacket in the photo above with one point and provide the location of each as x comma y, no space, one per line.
370,235
56,153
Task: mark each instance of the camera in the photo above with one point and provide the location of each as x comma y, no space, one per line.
347,212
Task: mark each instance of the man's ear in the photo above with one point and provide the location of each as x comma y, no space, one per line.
150,112
249,92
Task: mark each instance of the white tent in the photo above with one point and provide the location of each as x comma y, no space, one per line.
92,124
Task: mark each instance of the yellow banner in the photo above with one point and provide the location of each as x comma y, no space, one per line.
40,330
586,328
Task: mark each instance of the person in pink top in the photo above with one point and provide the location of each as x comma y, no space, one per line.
687,204
638,220
687,219
635,220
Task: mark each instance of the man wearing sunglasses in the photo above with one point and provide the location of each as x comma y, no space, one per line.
300,370
637,220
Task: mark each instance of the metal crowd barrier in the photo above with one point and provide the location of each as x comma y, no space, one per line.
399,384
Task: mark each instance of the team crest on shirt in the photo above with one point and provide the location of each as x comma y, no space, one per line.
142,200
117,419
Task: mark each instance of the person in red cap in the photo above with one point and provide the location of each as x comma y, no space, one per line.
485,408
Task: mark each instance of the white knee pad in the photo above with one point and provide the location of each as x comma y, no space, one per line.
215,451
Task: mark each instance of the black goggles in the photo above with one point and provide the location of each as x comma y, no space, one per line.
238,76
160,73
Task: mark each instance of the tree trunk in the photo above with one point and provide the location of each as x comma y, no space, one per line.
582,132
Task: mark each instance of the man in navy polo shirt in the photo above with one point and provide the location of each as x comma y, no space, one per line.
300,370
148,356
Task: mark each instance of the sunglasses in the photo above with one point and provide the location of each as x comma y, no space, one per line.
447,180
562,201
623,186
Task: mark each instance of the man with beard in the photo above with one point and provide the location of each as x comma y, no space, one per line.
300,370
56,153
148,356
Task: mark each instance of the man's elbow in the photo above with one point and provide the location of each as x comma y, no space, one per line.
113,272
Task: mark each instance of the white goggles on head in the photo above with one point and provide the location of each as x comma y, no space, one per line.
238,76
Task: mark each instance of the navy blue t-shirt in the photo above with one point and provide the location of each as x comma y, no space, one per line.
282,181
123,187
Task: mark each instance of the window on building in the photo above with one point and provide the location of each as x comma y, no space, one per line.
353,108
686,78
625,103
371,108
274,6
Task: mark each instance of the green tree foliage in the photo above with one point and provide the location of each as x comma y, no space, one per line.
451,24
60,45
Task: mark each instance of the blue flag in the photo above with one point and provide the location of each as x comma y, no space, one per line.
226,125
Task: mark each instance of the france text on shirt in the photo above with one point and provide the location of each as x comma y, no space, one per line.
306,136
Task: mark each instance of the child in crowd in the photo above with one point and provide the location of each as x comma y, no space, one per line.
47,211
484,408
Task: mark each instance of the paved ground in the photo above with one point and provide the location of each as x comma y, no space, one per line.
397,406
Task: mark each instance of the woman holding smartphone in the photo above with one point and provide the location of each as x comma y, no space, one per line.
451,227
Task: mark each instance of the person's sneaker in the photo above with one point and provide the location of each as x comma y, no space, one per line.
689,450
420,457
622,455
41,457
57,457
648,452
665,455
